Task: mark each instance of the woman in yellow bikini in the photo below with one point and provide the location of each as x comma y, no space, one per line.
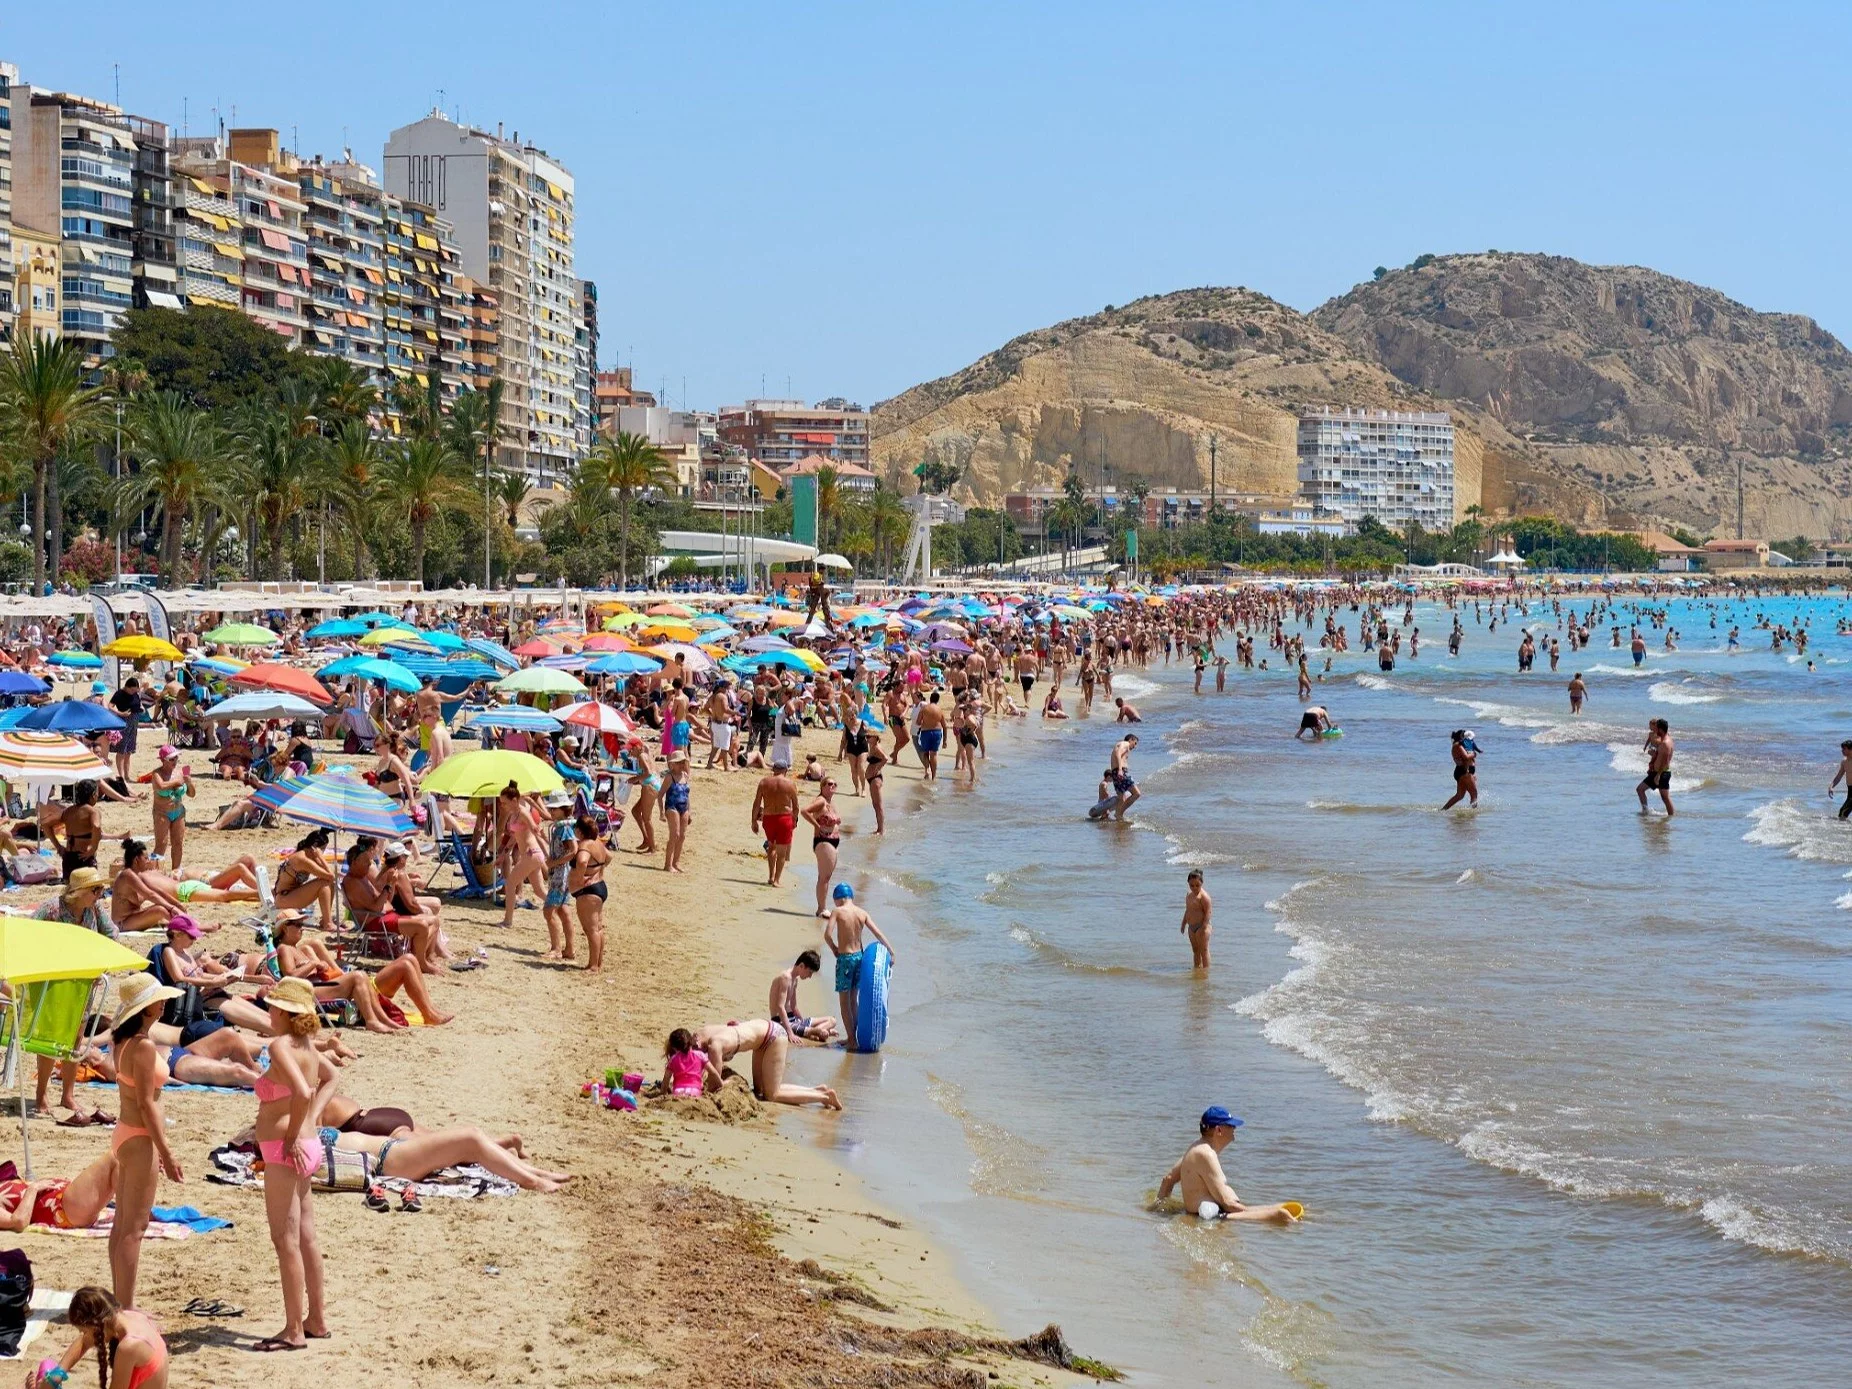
140,1139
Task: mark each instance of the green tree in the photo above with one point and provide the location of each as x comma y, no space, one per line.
419,479
181,466
350,465
46,410
829,505
214,358
628,464
279,470
936,475
343,391
889,523
472,429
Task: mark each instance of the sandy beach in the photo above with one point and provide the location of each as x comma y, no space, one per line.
686,1251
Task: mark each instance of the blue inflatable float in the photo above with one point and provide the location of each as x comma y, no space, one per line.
871,998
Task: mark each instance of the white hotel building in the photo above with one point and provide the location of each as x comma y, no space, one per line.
1394,465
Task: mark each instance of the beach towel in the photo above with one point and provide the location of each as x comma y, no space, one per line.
48,1305
235,1165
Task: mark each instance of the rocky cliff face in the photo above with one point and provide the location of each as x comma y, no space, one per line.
1593,393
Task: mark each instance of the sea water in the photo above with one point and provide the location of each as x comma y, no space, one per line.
1562,1087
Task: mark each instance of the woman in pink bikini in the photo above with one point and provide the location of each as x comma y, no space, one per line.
290,1099
140,1139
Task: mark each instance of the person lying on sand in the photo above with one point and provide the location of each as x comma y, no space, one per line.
62,1203
769,1046
415,1154
143,896
1206,1191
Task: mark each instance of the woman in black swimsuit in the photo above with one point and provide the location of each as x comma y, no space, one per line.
307,878
825,839
877,765
855,748
585,881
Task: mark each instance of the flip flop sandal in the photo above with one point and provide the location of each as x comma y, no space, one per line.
77,1121
270,1343
211,1307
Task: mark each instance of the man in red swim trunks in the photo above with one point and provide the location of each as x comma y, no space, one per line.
62,1204
774,810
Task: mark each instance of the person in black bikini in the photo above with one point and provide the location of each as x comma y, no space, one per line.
585,881
877,765
78,832
1465,769
825,838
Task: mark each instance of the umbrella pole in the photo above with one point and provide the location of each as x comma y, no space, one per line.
17,1064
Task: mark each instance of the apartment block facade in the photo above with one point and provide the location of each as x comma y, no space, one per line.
512,208
1394,465
780,433
263,234
9,77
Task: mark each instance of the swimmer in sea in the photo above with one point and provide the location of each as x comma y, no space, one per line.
1578,691
1314,721
1205,1185
1197,908
1465,769
1844,774
1126,714
1658,765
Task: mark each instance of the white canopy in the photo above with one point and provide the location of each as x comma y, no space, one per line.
1508,558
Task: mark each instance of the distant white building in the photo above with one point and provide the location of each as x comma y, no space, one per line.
1391,464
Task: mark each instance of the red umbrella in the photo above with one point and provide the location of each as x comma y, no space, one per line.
268,675
537,648
609,641
601,717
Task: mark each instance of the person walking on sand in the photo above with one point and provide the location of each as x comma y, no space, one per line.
1206,1192
1121,768
1465,769
1658,776
1197,908
774,811
843,935
1578,691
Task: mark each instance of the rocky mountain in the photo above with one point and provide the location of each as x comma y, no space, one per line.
1581,391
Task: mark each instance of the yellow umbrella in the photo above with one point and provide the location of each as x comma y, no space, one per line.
395,636
141,648
32,951
781,618
485,773
669,631
809,658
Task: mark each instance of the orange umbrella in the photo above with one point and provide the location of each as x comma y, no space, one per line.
609,641
268,675
537,648
670,610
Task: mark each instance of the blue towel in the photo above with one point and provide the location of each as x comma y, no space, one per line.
190,1216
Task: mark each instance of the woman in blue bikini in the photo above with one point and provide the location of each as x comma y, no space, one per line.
172,783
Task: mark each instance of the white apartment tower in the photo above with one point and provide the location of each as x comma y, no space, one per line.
1394,465
512,209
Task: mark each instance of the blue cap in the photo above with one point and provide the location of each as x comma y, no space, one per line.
98,687
1215,1117
843,892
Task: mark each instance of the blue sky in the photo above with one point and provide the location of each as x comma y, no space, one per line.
853,198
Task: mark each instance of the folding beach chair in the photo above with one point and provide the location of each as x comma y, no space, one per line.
455,849
44,1019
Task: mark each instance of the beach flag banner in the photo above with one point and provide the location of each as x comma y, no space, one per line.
804,509
159,625
105,634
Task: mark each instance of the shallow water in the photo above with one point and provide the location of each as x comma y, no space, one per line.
1561,1087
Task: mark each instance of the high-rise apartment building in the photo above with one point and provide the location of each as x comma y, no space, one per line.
1391,464
779,433
9,75
74,174
512,208
611,391
266,220
342,224
157,258
585,368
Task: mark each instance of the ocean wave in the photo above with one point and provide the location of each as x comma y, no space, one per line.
1805,834
1002,1163
1465,877
1054,954
1508,715
1373,682
1196,858
1134,687
1623,670
1668,692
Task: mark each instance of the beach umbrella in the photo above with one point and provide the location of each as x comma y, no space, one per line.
597,716
71,716
832,562
389,673
494,652
716,631
623,663
268,675
620,622
33,951
873,619
423,663
766,642
263,704
516,716
668,631
443,641
693,657
486,772
379,619
670,610
608,641
52,759
539,646
539,680
141,648
218,665
573,661
784,619
337,627
954,647
272,794
241,634
76,660
790,659
342,801
395,636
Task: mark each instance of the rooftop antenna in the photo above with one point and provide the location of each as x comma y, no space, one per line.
117,69
183,118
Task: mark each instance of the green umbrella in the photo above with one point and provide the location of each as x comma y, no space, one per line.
242,634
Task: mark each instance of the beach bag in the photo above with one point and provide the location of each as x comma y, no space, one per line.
343,1171
15,1298
29,870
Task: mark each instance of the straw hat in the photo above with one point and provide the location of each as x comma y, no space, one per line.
85,880
138,992
292,996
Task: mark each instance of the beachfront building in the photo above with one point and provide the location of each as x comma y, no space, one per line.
682,436
343,224
37,283
779,433
156,252
1394,465
852,479
512,209
585,369
612,391
9,75
1735,554
240,219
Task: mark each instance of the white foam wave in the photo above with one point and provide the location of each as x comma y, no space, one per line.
1622,670
1668,692
1805,834
1133,687
1509,715
1197,858
1465,877
1374,682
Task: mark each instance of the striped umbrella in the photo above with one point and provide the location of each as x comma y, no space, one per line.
49,758
623,663
272,794
599,717
495,652
516,716
342,801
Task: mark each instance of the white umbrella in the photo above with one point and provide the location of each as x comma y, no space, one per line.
833,562
264,704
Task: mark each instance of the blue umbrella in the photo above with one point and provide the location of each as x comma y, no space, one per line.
393,675
217,667
438,668
869,620
571,662
81,659
443,641
748,661
378,619
71,716
338,627
17,682
495,651
517,716
341,801
272,794
623,663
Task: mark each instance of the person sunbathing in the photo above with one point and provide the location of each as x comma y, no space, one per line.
769,1045
416,1155
370,896
311,960
224,1058
60,1203
143,897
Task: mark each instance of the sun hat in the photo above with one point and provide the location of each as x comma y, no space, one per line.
395,850
139,992
184,924
1216,1117
292,996
98,687
168,752
85,880
556,800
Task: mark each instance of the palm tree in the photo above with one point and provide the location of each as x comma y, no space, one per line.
351,466
418,480
45,409
888,524
279,467
182,467
472,429
628,464
829,503
510,489
343,393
